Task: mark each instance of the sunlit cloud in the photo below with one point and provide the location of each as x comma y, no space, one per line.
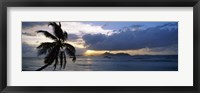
79,28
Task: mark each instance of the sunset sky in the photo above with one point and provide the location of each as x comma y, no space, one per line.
94,38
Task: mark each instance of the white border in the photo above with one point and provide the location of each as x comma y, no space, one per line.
183,77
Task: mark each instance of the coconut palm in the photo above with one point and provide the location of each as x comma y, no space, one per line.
57,50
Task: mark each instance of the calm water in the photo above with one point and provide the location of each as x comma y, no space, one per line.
115,63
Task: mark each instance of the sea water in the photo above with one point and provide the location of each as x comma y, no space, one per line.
113,63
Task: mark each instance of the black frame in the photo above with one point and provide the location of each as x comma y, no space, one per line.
101,3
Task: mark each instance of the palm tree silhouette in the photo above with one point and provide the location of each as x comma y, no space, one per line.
57,49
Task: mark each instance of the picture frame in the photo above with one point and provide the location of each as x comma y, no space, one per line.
103,3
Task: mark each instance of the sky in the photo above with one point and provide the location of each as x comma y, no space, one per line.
98,37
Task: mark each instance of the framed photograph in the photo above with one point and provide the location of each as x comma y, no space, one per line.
99,46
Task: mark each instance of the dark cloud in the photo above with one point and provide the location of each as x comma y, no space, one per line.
31,24
92,40
72,37
28,34
126,39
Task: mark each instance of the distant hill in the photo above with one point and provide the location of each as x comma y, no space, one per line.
117,54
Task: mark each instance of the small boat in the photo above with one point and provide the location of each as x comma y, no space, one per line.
107,57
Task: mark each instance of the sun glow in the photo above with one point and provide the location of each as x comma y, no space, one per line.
130,52
93,53
89,53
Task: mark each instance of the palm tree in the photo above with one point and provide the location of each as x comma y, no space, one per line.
55,51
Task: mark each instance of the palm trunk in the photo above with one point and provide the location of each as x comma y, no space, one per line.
43,67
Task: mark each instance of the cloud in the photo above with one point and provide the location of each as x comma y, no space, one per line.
91,40
75,32
32,24
80,28
31,31
127,39
28,34
132,28
172,49
73,37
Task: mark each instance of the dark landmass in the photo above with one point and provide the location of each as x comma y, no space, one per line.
118,54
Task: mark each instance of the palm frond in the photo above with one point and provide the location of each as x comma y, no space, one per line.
65,35
49,59
70,50
45,47
59,24
57,30
47,34
65,61
61,59
56,62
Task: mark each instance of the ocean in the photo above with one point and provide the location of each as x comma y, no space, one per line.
113,63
